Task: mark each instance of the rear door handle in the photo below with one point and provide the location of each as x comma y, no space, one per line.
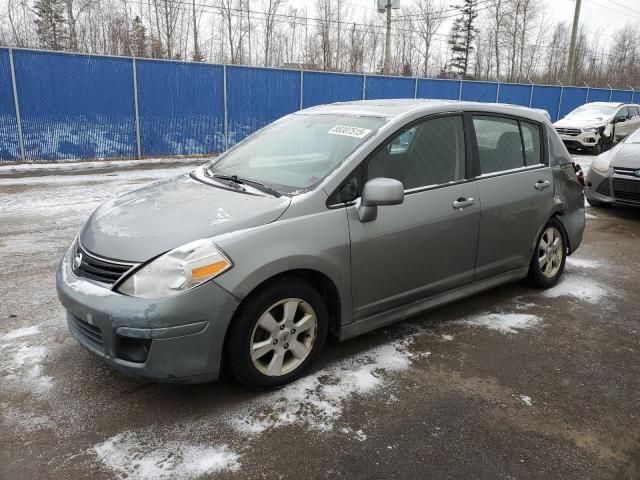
542,184
463,202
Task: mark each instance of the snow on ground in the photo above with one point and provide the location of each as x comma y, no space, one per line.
503,322
573,261
526,400
317,400
579,287
21,362
74,165
135,458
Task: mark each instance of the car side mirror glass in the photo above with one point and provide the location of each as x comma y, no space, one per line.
379,192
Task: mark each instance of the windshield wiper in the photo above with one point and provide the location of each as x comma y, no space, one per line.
225,180
241,181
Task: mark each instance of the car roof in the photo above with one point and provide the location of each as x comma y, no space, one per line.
606,104
397,108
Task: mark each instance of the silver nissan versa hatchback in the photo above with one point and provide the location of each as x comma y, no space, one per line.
337,219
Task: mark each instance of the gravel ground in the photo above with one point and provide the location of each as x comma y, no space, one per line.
512,383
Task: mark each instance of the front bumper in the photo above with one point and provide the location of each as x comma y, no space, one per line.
612,188
582,140
174,339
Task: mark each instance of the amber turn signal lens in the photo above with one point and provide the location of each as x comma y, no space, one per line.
210,269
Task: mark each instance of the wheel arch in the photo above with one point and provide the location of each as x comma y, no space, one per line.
318,280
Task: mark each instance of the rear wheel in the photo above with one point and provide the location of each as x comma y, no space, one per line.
547,263
277,333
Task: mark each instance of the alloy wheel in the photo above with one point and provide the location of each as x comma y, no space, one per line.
550,252
283,337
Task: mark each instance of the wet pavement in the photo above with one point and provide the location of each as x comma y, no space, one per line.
512,383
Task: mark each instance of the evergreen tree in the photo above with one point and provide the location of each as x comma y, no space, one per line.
463,33
50,23
138,38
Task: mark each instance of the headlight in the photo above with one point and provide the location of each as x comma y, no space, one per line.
176,271
592,129
601,163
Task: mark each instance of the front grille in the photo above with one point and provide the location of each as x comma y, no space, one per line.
631,172
604,188
103,270
572,132
90,333
626,190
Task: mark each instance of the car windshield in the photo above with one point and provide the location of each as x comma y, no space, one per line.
634,137
298,152
592,111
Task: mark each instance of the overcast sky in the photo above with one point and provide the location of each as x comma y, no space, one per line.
601,17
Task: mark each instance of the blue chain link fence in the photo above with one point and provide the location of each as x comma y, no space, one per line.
56,106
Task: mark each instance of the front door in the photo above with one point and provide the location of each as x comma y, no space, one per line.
427,244
516,188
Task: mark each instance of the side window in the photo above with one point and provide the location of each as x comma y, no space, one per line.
623,113
499,144
635,113
531,142
430,153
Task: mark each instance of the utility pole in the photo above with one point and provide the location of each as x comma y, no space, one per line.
572,48
338,49
387,43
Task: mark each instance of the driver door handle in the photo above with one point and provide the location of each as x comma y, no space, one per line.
463,202
542,184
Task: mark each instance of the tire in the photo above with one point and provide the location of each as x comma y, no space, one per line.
546,265
266,326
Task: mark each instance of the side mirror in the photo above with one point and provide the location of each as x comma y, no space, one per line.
379,192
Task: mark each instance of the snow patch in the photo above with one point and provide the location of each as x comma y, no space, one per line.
503,322
21,362
317,400
590,216
525,399
581,263
21,332
447,338
131,458
582,288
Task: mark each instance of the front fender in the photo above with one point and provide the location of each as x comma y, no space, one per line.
318,242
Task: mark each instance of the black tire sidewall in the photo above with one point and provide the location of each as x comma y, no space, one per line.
237,353
536,277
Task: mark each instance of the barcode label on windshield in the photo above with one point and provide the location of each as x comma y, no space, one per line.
356,132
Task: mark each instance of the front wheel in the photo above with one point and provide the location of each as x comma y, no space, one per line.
547,263
277,333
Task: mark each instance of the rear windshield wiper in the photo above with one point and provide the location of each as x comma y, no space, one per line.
240,181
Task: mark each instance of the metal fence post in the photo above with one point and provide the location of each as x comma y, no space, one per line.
498,92
364,86
16,105
531,96
460,91
301,88
415,89
226,118
135,109
560,102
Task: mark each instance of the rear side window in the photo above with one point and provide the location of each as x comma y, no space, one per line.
506,144
531,142
634,111
429,153
499,144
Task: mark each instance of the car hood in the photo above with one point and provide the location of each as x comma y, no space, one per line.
154,219
627,155
581,122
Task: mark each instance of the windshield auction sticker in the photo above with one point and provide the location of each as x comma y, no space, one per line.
346,131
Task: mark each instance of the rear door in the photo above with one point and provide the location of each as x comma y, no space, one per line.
516,189
427,244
